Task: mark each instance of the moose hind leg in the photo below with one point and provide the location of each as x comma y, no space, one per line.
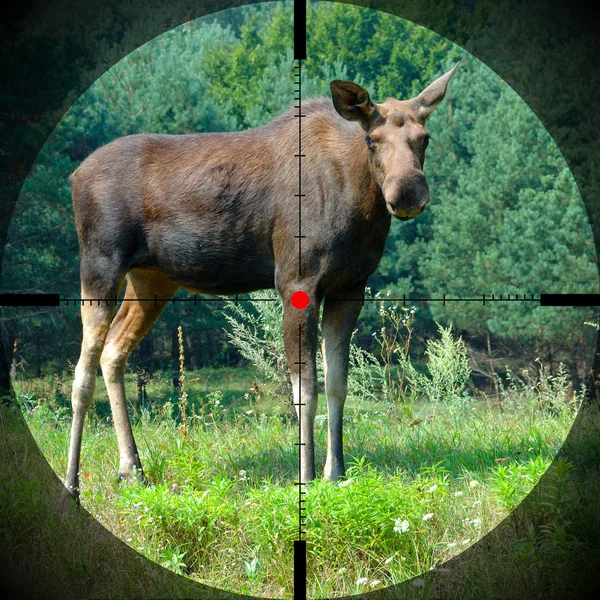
96,318
339,320
133,321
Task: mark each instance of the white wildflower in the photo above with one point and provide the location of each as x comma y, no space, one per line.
458,494
427,516
473,483
362,581
433,488
375,583
401,526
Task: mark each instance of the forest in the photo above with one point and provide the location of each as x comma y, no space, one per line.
505,215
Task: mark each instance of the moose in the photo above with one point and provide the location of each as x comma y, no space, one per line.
217,213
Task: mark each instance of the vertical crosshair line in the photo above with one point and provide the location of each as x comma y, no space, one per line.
300,482
299,55
299,156
300,543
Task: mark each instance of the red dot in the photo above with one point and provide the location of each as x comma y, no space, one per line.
300,300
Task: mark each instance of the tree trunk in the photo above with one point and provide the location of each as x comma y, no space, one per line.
38,355
7,362
144,366
191,355
175,359
11,357
491,361
550,359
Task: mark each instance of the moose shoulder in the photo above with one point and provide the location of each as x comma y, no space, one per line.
217,213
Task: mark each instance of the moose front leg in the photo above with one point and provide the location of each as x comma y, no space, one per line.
300,337
339,320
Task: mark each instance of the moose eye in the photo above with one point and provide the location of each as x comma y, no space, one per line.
370,143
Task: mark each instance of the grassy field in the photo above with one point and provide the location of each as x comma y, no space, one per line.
424,482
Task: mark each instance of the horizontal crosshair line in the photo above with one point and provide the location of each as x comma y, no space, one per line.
482,299
49,300
29,299
573,300
195,300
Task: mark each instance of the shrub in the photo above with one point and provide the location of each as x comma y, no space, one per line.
448,367
553,393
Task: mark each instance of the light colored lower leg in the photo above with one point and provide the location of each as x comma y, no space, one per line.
96,321
113,364
306,395
339,320
130,326
336,375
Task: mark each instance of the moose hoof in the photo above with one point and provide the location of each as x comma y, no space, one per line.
69,499
70,494
131,475
333,472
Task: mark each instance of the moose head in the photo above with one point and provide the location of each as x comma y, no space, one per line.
396,139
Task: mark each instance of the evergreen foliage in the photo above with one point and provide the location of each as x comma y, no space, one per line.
505,213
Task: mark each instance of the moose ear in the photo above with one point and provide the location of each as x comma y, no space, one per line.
433,94
352,102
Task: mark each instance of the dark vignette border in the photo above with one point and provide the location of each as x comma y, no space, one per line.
547,51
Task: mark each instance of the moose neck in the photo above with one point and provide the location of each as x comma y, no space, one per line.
359,187
335,166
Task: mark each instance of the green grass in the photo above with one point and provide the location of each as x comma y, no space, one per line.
424,482
237,387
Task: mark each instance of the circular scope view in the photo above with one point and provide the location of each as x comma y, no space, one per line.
232,275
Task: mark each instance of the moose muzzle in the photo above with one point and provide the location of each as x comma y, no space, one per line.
406,198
